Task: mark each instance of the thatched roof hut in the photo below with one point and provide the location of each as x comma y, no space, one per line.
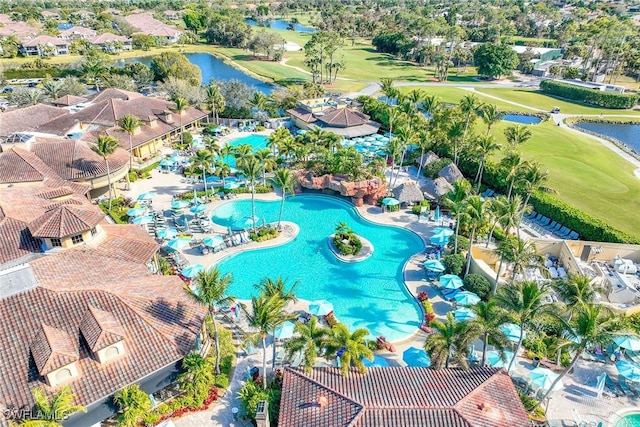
451,173
408,192
427,158
436,188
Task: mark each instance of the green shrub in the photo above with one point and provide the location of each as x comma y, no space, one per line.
590,96
221,380
187,138
260,189
565,359
535,345
347,243
478,284
264,233
431,170
118,212
133,177
454,263
251,393
415,209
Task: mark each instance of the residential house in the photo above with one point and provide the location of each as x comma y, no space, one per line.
45,46
110,43
147,24
172,15
19,29
77,32
50,15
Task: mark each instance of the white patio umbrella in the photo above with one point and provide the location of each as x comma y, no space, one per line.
544,377
284,331
320,307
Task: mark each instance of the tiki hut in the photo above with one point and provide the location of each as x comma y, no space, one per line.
451,173
408,193
427,158
436,188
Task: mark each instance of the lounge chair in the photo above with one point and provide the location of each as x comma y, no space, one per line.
557,227
531,215
563,231
544,221
574,236
550,226
449,293
537,218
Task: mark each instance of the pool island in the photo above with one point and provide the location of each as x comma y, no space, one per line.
365,252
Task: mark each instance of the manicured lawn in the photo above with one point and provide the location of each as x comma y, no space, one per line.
452,95
585,174
544,102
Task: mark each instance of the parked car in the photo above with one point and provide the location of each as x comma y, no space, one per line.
555,110
7,90
32,84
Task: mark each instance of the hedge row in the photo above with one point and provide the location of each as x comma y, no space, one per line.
590,96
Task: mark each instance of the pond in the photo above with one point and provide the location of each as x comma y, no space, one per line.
279,24
212,67
522,119
626,133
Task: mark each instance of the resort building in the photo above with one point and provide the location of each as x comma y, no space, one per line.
403,396
45,46
147,24
595,86
332,115
81,305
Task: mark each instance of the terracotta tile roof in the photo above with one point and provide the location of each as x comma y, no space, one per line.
45,40
66,220
53,348
100,328
16,240
55,193
108,37
481,397
342,117
302,114
68,100
77,30
14,121
114,93
146,23
15,168
129,242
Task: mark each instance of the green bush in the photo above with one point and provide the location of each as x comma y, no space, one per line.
264,233
590,96
454,263
352,246
478,284
187,138
415,209
431,170
251,393
221,381
133,177
118,212
260,189
535,345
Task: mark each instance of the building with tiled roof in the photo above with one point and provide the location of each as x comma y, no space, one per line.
9,27
45,46
332,115
68,101
14,121
110,43
77,32
401,396
145,23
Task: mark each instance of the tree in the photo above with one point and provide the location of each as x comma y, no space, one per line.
197,377
203,160
143,41
386,87
349,347
321,50
175,87
513,165
516,135
533,180
310,340
214,99
470,106
93,68
424,142
134,404
494,61
519,253
251,170
210,290
194,20
454,200
489,318
268,162
24,97
490,115
174,64
52,88
575,289
524,302
52,411
484,147
450,339
130,125
284,180
104,147
180,105
475,213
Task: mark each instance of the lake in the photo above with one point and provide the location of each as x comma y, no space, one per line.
628,134
279,24
522,119
212,67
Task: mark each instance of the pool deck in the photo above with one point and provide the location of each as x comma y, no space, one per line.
575,402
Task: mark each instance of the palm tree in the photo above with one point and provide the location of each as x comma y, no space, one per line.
222,170
310,340
267,312
251,169
386,87
469,106
130,124
533,179
589,326
210,290
516,135
104,147
454,200
484,146
134,405
52,411
519,253
268,162
425,143
203,159
450,339
349,347
277,138
490,115
524,302
455,133
489,318
197,375
575,289
242,152
475,213
513,165
430,104
513,213
214,100
52,88
393,150
285,181
180,105
406,136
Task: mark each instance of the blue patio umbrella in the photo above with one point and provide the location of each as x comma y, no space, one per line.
377,362
446,231
147,219
167,233
434,265
166,163
416,357
284,331
192,270
450,281
544,378
177,243
213,241
436,215
390,201
147,195
464,313
441,236
467,298
439,240
179,204
136,211
213,179
320,307
494,358
629,342
198,209
231,185
512,331
246,222
629,370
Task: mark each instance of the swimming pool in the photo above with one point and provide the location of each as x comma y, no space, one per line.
255,141
631,420
369,294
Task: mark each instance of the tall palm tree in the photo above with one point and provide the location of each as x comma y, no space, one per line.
497,210
197,374
533,180
516,135
214,99
407,137
575,289
352,347
430,104
242,152
489,318
490,115
310,340
519,253
514,210
590,325
203,159
454,200
52,88
251,170
134,405
268,162
222,170
455,133
277,138
130,124
267,312
424,142
513,165
285,181
450,340
210,290
393,150
180,105
475,213
469,106
104,147
386,87
53,411
524,302
484,146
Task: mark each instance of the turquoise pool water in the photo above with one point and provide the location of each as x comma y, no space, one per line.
631,420
368,294
255,141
